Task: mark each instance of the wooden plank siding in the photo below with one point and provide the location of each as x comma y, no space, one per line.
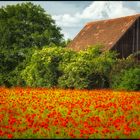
129,43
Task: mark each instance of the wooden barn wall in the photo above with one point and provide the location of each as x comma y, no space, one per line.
130,41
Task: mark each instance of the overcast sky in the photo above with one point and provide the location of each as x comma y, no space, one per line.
71,16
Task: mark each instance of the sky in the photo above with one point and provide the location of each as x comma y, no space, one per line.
72,16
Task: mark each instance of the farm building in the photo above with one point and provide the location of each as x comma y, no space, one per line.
120,34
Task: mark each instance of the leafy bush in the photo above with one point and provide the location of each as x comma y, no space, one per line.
89,69
118,69
43,70
130,79
76,74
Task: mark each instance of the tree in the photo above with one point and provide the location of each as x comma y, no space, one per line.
22,27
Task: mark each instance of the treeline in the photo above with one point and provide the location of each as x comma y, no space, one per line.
33,53
60,67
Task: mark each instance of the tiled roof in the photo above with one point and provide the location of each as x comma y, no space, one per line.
105,32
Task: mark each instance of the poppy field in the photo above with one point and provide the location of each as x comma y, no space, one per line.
59,113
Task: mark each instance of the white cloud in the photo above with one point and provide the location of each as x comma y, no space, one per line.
95,11
106,9
66,20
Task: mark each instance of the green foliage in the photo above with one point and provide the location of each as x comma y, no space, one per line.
119,69
75,74
43,70
88,69
55,66
22,27
130,79
12,77
28,25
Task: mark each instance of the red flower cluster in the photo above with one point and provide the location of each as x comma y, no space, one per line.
57,113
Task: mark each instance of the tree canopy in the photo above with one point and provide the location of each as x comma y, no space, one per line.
23,27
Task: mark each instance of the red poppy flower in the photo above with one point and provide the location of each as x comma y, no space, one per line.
10,136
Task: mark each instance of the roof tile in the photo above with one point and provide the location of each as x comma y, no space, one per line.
105,32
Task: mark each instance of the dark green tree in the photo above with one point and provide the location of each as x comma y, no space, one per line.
22,28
